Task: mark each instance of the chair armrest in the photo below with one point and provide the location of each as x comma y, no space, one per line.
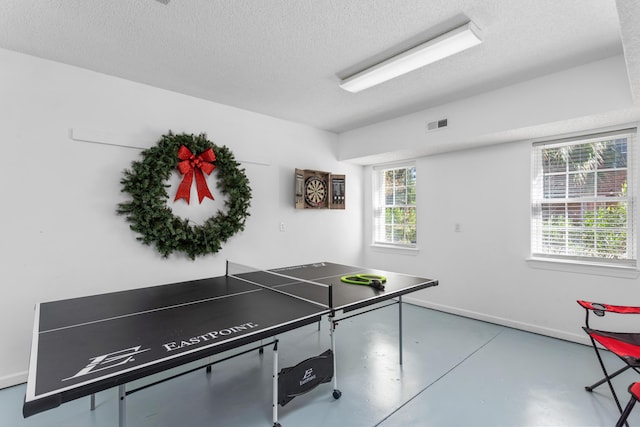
599,308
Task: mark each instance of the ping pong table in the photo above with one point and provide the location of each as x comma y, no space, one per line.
85,345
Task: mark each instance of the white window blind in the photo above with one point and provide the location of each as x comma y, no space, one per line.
582,199
394,205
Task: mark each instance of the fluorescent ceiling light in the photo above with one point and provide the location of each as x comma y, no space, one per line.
433,50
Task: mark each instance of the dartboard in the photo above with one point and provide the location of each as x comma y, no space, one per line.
315,191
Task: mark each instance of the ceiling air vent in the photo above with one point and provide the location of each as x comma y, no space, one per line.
438,124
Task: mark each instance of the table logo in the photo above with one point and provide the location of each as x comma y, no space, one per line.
109,360
208,336
308,376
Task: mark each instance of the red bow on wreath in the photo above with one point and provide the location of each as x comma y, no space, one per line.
190,165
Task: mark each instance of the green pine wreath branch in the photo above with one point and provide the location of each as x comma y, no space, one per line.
147,210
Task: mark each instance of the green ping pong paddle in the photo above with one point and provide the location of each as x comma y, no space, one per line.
374,280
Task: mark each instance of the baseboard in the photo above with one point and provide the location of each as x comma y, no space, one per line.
536,329
13,379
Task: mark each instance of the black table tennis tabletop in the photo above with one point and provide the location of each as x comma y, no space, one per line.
84,345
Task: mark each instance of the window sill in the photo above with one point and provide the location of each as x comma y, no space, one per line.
584,268
400,250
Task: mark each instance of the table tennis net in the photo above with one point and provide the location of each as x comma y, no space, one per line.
275,281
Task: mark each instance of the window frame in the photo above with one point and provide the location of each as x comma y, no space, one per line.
377,211
537,258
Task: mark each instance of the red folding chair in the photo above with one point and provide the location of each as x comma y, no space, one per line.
634,389
625,345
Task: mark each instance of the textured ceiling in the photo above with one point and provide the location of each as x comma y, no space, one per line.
284,58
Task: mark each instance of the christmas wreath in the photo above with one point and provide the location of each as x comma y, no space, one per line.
147,209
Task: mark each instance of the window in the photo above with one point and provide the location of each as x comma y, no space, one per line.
394,205
582,204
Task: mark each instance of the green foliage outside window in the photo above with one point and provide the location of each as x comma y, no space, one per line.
400,206
585,188
605,233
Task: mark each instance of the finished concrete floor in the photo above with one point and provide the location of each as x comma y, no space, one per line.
456,372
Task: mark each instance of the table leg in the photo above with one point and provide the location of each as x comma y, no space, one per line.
336,392
400,326
122,406
93,401
275,385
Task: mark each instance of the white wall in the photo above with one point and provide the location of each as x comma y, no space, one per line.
482,269
60,235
